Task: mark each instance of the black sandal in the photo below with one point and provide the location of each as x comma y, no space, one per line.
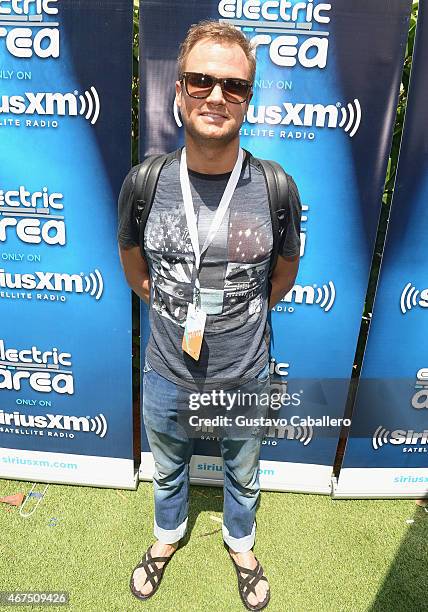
247,584
153,573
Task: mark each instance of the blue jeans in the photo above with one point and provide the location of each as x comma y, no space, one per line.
172,449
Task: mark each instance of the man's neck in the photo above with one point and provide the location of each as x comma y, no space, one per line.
212,158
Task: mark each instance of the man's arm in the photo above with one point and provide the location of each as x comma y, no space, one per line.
136,271
283,277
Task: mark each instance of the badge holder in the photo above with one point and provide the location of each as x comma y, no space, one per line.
194,328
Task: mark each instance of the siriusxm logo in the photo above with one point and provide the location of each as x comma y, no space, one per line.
42,370
412,297
286,28
324,297
333,116
55,281
47,104
420,398
28,28
399,437
308,115
96,425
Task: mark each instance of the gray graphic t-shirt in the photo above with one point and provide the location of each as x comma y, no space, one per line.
233,275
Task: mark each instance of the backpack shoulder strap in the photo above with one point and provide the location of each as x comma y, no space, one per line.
144,190
277,188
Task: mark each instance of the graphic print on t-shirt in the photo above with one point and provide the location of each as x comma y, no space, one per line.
243,287
171,254
234,269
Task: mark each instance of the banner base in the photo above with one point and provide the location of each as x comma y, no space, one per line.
381,483
64,468
274,475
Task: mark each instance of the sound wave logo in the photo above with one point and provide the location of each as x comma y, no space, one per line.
90,103
408,298
61,104
380,437
91,283
412,297
304,434
94,284
352,116
325,296
99,425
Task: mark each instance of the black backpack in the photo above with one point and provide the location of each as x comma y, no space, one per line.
277,186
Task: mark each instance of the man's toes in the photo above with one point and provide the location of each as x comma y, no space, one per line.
139,580
252,600
261,590
139,577
260,595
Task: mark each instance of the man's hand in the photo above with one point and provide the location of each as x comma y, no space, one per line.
283,277
136,271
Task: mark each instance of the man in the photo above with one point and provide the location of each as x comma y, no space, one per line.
204,272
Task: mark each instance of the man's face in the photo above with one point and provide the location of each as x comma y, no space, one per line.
213,118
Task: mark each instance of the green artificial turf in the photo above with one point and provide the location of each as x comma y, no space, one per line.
319,554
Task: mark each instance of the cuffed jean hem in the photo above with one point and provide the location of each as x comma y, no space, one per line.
170,536
239,544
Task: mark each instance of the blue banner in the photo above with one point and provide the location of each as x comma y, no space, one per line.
65,337
387,452
324,105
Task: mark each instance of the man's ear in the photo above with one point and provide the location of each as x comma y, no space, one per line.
178,93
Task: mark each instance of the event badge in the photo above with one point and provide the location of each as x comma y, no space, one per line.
196,318
194,331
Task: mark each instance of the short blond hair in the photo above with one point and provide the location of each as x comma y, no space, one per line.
217,32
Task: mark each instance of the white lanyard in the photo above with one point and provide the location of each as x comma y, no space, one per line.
218,217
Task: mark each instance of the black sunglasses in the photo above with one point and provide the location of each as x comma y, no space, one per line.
199,85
